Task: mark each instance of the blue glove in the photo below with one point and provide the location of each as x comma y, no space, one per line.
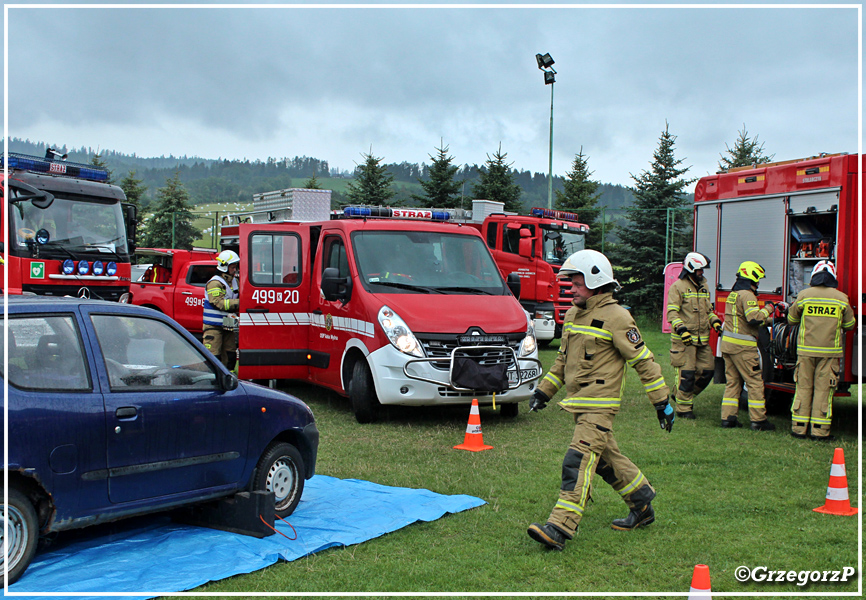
538,401
666,415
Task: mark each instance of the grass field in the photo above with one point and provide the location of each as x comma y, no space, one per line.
725,498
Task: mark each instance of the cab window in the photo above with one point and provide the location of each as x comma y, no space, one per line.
335,255
511,237
275,259
46,353
142,353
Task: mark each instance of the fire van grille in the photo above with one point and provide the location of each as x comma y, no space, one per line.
438,346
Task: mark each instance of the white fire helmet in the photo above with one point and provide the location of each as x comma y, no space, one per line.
226,258
694,261
822,266
593,265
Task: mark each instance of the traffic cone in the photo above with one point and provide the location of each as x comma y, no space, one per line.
700,589
837,502
473,440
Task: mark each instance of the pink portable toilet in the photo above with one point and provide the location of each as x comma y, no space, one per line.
672,273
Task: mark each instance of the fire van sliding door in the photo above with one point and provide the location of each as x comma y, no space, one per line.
274,310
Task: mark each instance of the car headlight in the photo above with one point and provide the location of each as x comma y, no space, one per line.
399,333
546,315
528,345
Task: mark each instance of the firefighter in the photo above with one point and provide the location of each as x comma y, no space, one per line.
690,313
743,319
221,304
599,338
823,313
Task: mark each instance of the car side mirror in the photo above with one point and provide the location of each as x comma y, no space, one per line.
335,287
513,282
228,381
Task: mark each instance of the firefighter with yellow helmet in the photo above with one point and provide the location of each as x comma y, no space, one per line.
739,347
690,313
599,339
220,308
823,313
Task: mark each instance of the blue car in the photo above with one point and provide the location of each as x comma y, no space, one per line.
114,411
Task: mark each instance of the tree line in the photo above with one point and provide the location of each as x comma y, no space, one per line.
641,240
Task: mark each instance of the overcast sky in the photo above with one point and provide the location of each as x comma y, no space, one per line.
334,82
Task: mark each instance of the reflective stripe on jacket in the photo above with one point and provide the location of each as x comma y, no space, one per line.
823,314
689,305
220,301
743,320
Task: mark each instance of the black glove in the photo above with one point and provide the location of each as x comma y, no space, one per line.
717,325
684,334
538,401
666,415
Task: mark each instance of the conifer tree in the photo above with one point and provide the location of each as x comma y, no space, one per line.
372,183
496,182
171,223
441,190
640,259
97,161
312,183
578,194
134,189
746,152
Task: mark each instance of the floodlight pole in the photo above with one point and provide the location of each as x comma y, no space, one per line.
550,163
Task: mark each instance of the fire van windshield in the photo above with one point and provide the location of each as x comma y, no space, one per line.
424,261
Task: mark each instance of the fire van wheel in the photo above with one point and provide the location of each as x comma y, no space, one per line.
281,471
509,411
23,533
362,393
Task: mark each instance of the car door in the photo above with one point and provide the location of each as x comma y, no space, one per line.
56,424
170,428
189,296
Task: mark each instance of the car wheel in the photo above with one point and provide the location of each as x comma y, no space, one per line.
281,471
509,411
23,533
362,392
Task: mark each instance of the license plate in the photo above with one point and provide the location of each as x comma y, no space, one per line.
527,375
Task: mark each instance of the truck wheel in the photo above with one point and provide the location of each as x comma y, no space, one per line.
23,533
281,470
509,411
362,393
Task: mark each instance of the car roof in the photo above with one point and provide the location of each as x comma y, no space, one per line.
23,302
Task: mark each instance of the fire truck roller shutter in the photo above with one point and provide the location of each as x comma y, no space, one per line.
754,230
820,201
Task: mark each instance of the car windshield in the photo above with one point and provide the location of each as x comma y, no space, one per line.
559,245
404,262
78,225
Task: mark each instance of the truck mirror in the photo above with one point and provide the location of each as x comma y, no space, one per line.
513,282
524,246
335,287
38,198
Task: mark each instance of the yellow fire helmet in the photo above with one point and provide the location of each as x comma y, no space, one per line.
751,270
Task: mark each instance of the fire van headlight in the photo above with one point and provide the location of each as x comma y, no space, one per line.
528,345
399,333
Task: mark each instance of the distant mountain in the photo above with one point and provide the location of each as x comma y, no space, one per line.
220,180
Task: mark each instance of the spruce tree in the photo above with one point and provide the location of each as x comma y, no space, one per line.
97,161
649,225
578,194
134,189
312,183
496,182
173,211
746,152
372,183
441,190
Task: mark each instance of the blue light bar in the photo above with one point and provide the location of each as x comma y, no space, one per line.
397,213
35,164
549,213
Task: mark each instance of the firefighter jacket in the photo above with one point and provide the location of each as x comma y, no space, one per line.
689,305
823,314
743,320
597,343
220,300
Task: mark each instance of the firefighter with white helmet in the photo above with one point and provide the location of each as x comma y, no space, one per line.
599,338
220,308
823,313
690,313
739,347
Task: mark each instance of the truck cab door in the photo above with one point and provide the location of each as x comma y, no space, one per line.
274,301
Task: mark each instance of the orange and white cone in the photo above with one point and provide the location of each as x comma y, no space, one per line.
837,502
700,589
473,440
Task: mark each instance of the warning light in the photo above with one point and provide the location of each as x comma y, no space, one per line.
68,266
264,409
309,357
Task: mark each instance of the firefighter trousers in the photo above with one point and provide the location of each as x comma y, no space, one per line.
816,379
743,368
694,372
222,343
594,449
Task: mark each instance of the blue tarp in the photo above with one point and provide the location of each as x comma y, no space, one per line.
154,555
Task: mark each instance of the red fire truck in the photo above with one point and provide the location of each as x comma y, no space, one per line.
785,216
67,232
384,309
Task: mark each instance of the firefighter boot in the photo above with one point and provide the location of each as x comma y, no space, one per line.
549,534
764,425
638,517
731,422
